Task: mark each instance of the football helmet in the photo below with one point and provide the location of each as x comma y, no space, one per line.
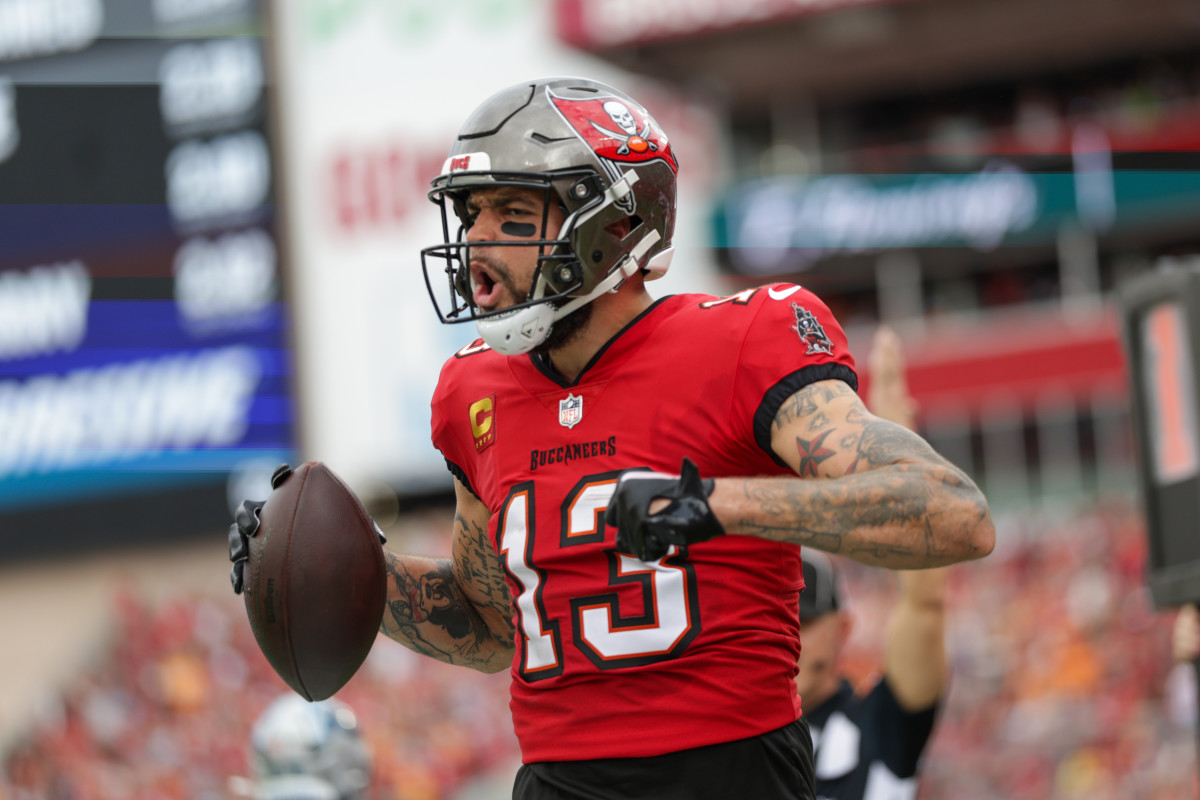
303,749
600,157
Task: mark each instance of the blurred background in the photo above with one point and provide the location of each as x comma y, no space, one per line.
210,217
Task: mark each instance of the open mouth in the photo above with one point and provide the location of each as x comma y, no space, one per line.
486,288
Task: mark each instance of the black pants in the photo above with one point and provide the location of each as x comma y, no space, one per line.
774,766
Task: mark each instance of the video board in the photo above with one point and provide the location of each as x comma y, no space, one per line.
144,346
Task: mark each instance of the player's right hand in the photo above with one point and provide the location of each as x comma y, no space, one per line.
244,526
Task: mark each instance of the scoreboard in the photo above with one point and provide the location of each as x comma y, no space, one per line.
1160,313
145,359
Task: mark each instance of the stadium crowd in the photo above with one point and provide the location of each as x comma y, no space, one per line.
166,713
1062,681
1062,687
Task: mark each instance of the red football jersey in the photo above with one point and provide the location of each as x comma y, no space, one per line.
616,657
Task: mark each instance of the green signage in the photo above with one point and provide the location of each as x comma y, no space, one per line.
774,224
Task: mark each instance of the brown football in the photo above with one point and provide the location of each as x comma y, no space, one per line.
315,580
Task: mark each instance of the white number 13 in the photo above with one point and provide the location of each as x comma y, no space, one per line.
608,638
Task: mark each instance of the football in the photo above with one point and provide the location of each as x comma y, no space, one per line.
315,580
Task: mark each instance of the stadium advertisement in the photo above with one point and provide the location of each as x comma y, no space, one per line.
779,225
600,25
143,341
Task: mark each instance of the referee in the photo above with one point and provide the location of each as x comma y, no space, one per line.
869,746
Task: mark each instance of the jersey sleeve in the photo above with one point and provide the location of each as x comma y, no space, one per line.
792,341
445,435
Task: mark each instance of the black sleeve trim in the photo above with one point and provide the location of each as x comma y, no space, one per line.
458,472
788,386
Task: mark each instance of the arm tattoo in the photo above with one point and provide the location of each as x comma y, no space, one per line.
428,612
477,565
893,499
798,406
812,453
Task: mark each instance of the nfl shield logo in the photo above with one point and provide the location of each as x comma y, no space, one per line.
570,411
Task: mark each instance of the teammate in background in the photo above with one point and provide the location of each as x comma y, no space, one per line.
869,747
306,751
635,477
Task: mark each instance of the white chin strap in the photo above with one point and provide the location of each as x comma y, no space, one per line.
522,330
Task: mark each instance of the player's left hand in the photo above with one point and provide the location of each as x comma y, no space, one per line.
686,519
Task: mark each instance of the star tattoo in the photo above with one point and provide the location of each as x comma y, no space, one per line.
812,453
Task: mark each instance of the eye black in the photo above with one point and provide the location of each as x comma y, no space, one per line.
524,229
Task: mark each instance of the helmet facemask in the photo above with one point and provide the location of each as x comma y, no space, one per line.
558,273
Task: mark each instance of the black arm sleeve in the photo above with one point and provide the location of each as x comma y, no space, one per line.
777,394
900,735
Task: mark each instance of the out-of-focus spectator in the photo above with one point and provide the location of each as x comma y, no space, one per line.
1181,684
1071,692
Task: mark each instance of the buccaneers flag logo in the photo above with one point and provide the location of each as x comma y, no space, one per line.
616,129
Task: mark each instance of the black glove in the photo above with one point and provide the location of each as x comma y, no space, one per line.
239,540
686,520
246,525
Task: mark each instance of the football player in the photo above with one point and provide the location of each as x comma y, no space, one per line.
635,477
306,751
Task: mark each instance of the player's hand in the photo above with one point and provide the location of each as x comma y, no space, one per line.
686,518
246,525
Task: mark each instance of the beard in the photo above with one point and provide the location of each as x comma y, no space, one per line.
565,330
562,331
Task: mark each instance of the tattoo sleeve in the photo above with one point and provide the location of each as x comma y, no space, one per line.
455,610
871,490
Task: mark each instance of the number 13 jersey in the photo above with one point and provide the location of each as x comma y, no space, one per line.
616,657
